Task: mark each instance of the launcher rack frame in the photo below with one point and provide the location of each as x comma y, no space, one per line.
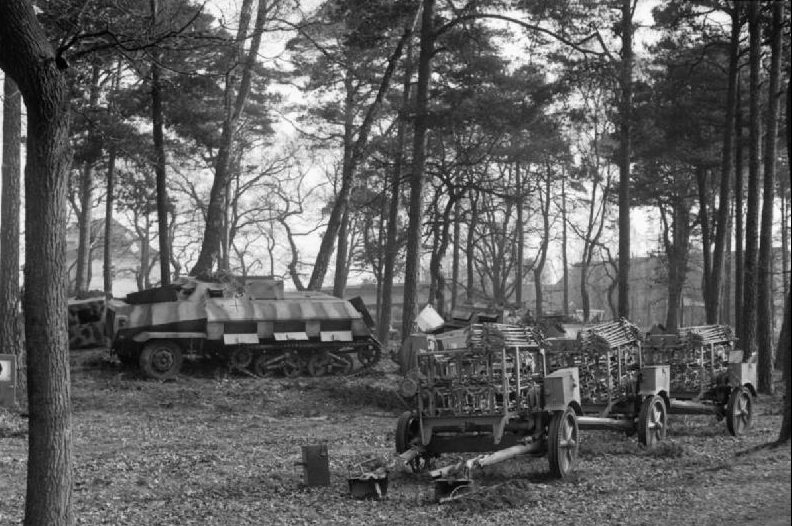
490,396
618,392
708,374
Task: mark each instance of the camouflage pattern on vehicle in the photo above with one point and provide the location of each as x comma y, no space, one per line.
253,326
86,323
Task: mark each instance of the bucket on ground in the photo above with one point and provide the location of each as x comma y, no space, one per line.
368,479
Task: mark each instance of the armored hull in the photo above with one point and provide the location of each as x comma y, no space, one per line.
86,322
255,327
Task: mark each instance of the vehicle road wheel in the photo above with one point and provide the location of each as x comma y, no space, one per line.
408,433
369,356
739,411
563,443
293,365
341,363
652,421
161,359
267,364
319,364
240,358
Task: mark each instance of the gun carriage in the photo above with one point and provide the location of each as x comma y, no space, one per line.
708,375
618,392
485,389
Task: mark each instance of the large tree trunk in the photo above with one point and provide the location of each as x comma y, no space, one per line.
379,259
159,162
440,295
765,331
594,227
785,348
442,228
342,229
391,241
342,198
785,340
752,215
434,260
712,298
224,259
342,268
726,292
84,244
783,190
144,277
293,265
470,246
611,300
49,463
625,146
110,199
83,279
235,98
108,227
677,249
455,256
413,258
541,257
564,257
28,58
585,301
10,322
520,226
702,184
739,230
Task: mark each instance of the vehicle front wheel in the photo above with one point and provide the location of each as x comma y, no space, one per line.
161,359
739,411
652,421
408,434
562,443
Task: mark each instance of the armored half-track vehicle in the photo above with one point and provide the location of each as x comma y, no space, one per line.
249,324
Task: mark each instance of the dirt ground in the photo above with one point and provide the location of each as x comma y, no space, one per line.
218,449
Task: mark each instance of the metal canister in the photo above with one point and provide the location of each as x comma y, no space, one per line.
316,465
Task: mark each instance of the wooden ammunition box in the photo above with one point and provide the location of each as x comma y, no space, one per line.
742,374
654,379
560,388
